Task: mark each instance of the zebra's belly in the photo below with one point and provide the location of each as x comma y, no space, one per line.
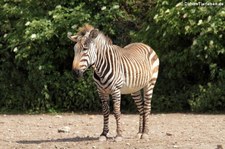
128,90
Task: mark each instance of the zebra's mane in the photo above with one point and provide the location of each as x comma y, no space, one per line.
87,28
105,38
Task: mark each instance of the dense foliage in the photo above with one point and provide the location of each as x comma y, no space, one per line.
36,56
190,41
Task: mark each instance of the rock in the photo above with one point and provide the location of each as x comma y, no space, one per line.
91,117
168,134
219,147
65,129
58,116
175,146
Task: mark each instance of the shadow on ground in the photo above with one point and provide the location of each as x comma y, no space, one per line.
76,139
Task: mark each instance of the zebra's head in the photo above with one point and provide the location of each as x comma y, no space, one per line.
84,49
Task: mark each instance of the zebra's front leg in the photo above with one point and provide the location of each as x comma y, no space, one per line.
116,97
106,112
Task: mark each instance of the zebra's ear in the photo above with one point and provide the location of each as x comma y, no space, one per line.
73,38
94,33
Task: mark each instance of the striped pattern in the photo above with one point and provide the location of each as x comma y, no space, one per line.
119,71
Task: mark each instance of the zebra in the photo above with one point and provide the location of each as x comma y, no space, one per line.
117,71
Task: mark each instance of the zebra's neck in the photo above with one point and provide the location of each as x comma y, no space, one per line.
107,58
103,40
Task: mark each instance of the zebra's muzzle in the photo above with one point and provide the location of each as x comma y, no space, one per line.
78,73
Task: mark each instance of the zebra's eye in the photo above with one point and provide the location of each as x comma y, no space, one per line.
85,47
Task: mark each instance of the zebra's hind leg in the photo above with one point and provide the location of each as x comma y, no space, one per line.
139,103
148,91
106,112
116,97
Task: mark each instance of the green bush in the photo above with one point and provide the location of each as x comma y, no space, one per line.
36,56
191,47
209,98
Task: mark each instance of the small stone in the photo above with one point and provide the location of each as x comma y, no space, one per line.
93,146
168,134
91,117
128,144
70,123
175,146
58,116
65,129
219,147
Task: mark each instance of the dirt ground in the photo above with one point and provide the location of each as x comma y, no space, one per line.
166,131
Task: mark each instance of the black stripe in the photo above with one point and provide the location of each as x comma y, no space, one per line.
111,74
107,65
96,77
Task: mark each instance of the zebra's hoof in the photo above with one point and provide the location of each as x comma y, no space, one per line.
118,138
102,138
139,135
144,136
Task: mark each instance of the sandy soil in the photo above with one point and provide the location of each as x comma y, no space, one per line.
166,131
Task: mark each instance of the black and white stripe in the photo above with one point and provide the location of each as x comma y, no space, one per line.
120,71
